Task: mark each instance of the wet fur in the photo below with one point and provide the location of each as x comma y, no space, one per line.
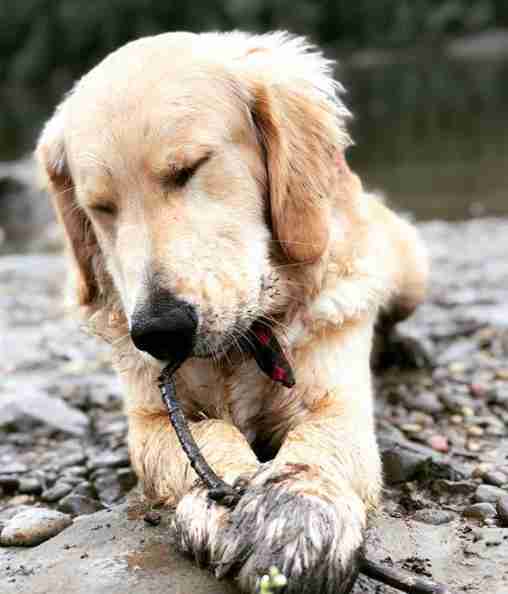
296,241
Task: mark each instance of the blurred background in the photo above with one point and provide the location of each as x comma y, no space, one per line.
427,81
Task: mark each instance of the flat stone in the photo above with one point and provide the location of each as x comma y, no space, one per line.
37,405
400,465
104,553
502,509
33,526
495,478
434,517
109,489
13,468
480,511
77,459
56,492
29,486
109,460
84,488
78,505
488,494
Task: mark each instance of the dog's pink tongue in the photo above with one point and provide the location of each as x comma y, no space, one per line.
269,355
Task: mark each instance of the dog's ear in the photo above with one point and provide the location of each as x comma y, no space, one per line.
301,124
79,235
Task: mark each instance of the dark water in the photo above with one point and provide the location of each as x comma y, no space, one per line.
431,133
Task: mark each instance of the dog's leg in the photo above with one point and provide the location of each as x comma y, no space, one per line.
407,256
306,511
167,475
165,471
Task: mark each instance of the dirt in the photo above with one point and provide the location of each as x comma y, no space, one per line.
443,432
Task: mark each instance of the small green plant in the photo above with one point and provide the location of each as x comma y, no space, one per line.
272,582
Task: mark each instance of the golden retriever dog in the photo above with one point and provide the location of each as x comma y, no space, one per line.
202,184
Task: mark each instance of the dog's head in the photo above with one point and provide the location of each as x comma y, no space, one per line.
190,173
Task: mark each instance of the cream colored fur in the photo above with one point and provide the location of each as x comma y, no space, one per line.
272,224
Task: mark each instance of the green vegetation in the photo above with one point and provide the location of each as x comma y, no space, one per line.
49,42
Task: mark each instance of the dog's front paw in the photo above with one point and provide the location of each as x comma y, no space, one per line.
295,521
197,523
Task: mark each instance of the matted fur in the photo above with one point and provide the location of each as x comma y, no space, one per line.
272,225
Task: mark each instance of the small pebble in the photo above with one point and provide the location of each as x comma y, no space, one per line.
480,511
457,419
502,509
475,431
85,489
480,470
56,492
473,446
153,518
434,517
14,468
29,486
108,489
33,526
502,374
495,478
109,460
439,443
411,428
467,411
78,505
488,494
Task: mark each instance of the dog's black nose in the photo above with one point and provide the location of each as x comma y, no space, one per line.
165,328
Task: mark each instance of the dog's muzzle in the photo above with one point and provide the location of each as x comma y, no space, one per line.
166,329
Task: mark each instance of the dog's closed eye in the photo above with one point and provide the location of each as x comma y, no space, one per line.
108,209
178,177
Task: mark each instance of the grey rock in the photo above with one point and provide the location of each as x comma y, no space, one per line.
480,511
109,460
127,478
502,509
109,489
73,460
85,488
428,402
108,552
56,492
400,464
434,517
13,468
495,478
33,526
456,402
37,405
29,486
457,351
488,494
443,486
78,505
75,471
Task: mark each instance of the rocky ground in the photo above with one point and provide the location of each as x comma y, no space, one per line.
65,473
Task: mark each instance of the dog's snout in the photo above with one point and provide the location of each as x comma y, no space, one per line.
165,328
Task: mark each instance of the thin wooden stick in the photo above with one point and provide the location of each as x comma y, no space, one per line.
228,496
